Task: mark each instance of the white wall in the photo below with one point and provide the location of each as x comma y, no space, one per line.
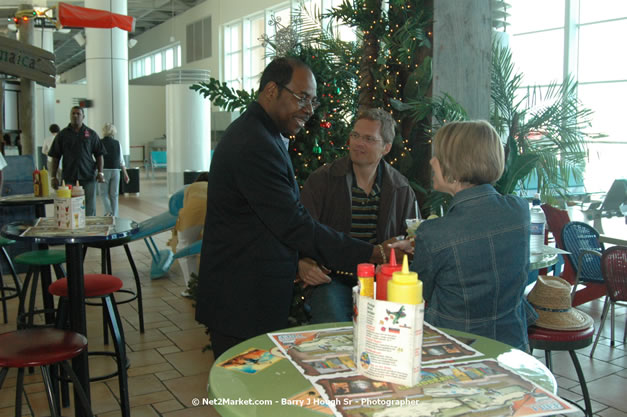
146,110
146,113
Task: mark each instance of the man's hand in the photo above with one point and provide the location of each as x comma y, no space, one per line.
401,247
54,182
311,273
126,178
100,177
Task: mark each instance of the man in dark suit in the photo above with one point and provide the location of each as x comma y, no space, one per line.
255,226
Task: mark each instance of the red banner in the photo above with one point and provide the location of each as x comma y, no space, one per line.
76,16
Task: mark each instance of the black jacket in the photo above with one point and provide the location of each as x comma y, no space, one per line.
255,229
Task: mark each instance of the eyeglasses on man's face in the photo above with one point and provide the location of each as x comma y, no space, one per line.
370,140
303,100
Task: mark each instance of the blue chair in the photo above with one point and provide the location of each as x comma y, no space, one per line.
582,241
161,258
193,249
158,159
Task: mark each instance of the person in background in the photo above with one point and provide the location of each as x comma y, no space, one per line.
361,195
18,142
189,225
6,141
78,146
45,147
109,189
473,262
255,226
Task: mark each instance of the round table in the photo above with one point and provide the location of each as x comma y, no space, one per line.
283,380
543,261
39,203
73,241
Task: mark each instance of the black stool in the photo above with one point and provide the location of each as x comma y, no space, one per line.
550,340
8,292
104,287
105,259
39,263
41,347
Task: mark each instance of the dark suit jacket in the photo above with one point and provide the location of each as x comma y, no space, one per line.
255,229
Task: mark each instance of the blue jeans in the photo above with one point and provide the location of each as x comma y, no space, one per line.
109,191
90,197
331,302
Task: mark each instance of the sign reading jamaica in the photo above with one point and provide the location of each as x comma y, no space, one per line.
27,61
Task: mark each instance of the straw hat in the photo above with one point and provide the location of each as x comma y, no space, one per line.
551,299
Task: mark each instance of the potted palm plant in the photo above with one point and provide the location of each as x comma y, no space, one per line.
544,136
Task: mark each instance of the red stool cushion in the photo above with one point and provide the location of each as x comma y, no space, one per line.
39,346
547,339
96,285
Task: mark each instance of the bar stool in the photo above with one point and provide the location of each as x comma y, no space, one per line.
7,293
39,263
562,340
41,347
104,287
105,259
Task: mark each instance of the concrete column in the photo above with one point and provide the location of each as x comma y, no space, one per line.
106,63
188,126
44,97
462,53
27,93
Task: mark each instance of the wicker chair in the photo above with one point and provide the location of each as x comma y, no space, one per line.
582,241
614,270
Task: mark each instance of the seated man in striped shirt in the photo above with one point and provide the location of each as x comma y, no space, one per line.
361,195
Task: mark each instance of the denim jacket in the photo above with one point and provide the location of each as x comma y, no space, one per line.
473,263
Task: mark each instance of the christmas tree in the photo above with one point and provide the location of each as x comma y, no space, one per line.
388,66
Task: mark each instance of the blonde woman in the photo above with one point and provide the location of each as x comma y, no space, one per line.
473,261
113,163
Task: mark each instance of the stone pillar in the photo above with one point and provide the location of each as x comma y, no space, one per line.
188,126
462,52
44,98
27,93
106,63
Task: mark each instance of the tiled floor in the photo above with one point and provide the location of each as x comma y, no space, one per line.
169,368
168,365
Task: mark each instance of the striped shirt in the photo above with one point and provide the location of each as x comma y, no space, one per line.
365,210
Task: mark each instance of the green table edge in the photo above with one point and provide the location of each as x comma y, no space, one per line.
276,374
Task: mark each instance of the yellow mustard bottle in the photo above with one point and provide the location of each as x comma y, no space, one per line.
405,287
44,179
365,275
64,191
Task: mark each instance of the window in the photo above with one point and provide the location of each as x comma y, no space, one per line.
148,65
542,54
158,67
169,59
157,61
233,55
244,55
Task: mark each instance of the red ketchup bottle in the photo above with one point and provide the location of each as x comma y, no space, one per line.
385,274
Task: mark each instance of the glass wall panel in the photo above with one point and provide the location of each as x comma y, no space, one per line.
533,15
595,10
599,59
539,65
